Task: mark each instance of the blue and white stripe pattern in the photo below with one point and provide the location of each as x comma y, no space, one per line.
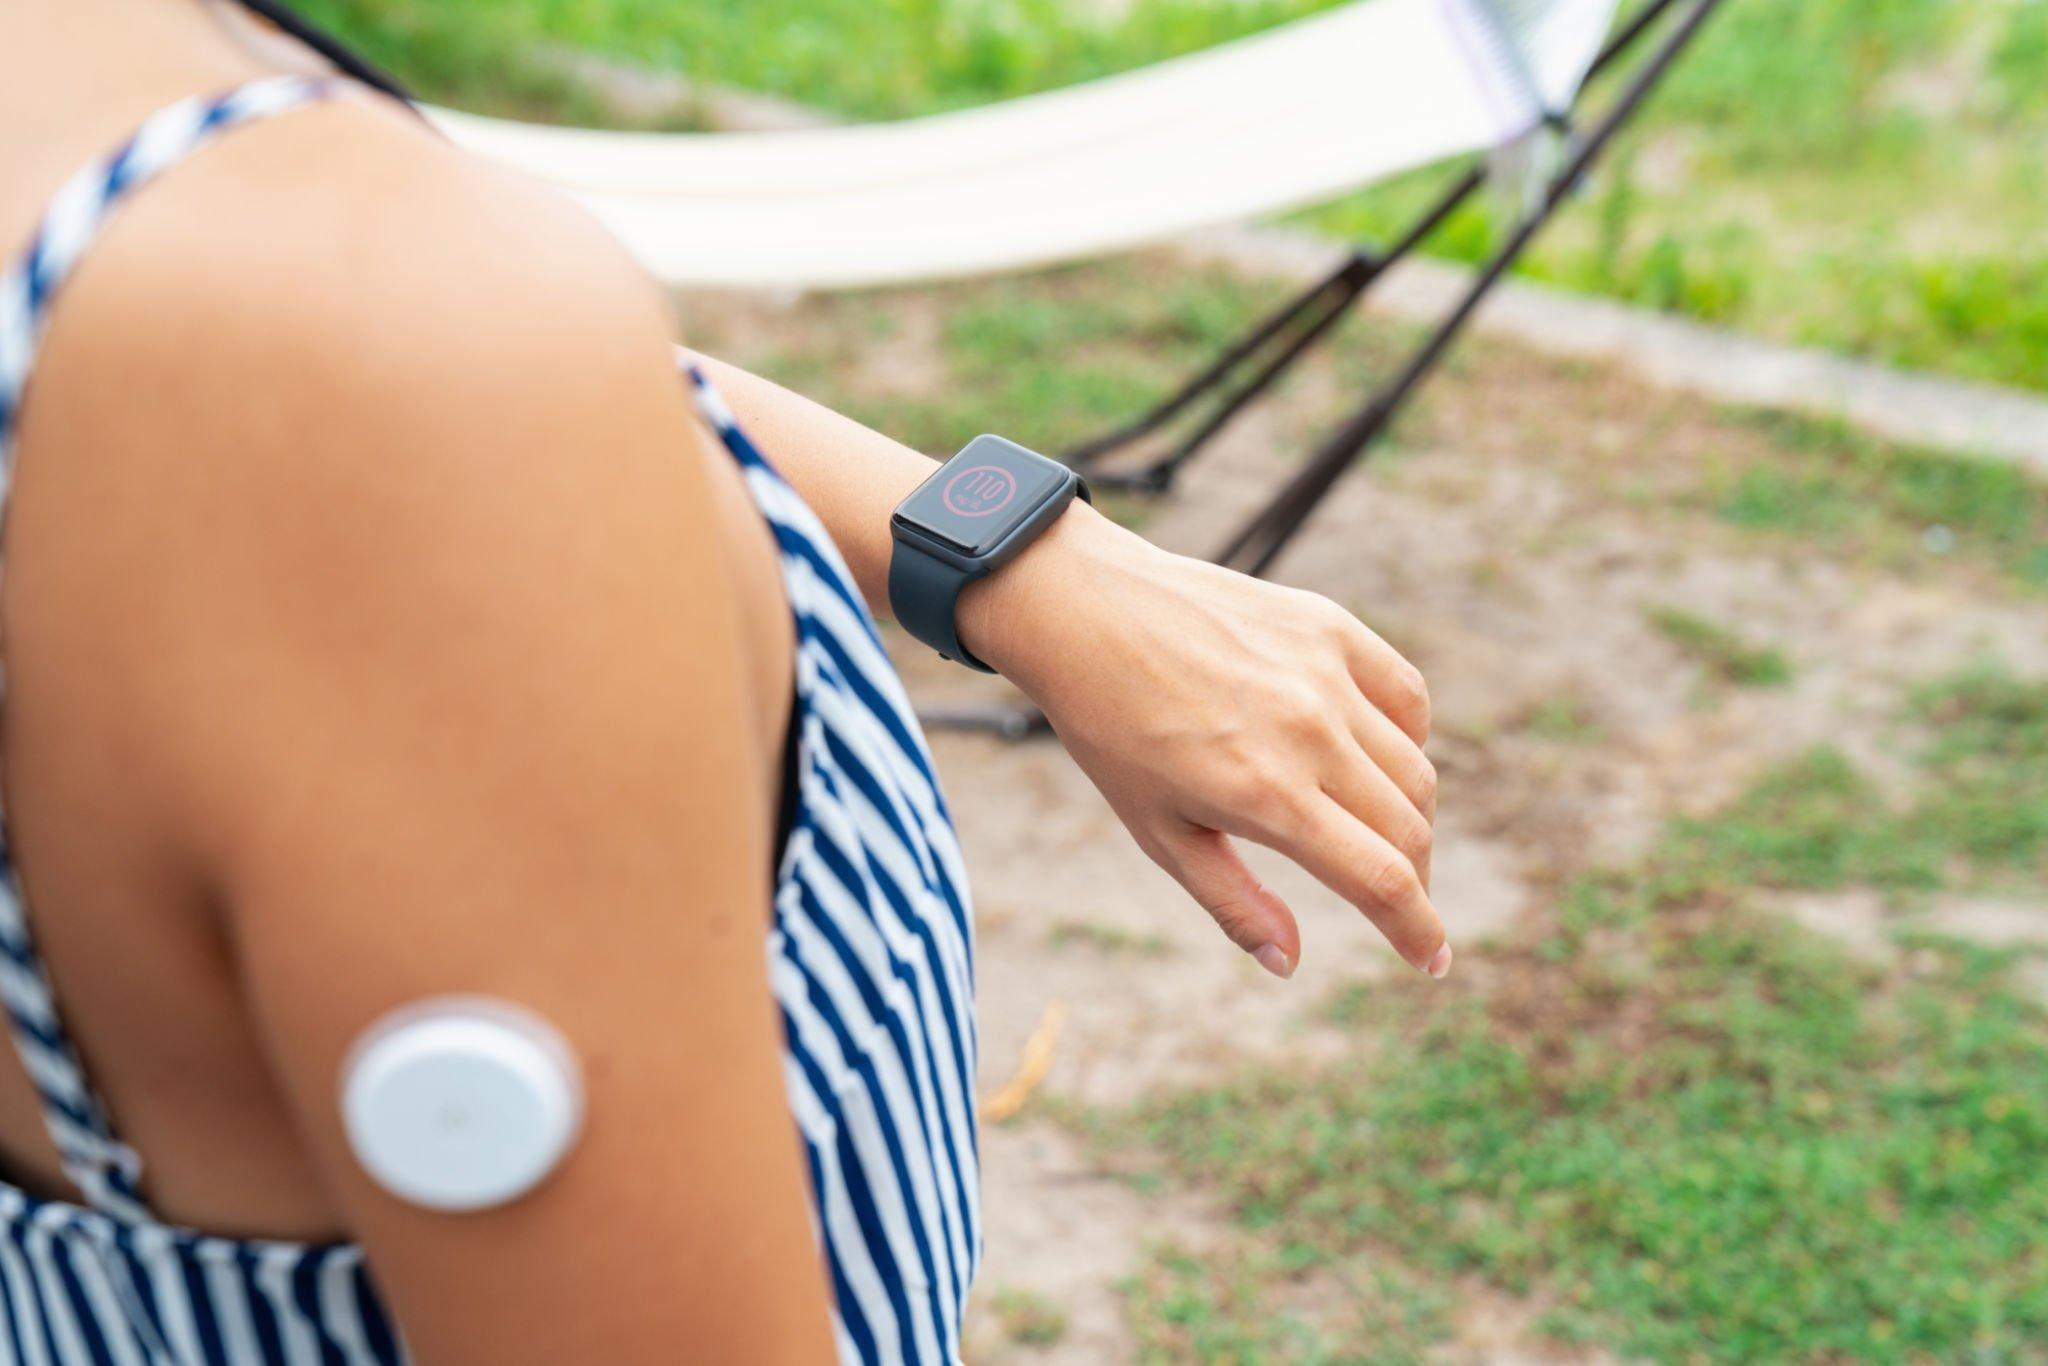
870,957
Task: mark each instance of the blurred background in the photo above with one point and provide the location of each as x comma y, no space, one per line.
1742,711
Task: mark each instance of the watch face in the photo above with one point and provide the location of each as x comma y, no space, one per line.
983,494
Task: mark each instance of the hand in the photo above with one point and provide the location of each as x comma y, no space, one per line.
1206,704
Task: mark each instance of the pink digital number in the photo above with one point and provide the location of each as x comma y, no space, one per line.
980,490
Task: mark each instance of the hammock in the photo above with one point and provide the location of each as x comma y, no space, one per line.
1289,117
1298,114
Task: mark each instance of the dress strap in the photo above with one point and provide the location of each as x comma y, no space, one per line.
106,1171
81,208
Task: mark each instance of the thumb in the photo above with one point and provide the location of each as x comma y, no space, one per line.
1208,865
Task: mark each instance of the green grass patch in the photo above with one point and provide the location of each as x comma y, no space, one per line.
1113,940
1217,1307
1975,818
1075,351
1844,174
864,58
491,59
1826,480
1721,650
1028,1318
1725,1142
1815,824
1565,718
1059,354
1683,1127
1987,760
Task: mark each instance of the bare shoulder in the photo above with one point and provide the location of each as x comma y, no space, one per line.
357,515
344,252
335,407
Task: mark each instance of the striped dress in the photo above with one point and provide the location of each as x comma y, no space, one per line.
869,958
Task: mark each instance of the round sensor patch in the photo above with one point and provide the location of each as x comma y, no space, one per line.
461,1103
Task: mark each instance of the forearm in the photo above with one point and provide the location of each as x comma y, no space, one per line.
854,477
1202,703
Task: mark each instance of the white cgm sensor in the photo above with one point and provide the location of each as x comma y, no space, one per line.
461,1102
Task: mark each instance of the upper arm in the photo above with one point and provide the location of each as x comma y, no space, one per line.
452,653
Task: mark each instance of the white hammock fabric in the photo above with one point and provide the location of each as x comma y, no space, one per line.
1268,123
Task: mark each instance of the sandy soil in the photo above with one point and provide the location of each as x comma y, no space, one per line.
1510,547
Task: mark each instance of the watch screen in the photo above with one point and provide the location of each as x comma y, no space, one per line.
983,494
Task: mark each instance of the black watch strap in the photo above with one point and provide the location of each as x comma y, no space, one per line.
923,593
972,516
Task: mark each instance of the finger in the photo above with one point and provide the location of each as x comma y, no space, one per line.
1389,681
1363,788
1353,860
1370,773
1397,756
1206,863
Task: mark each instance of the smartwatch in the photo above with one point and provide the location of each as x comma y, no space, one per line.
972,517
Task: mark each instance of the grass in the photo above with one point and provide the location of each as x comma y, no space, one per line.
1215,1307
1028,1319
1675,1124
1110,940
1720,650
1858,174
1828,481
1059,354
1565,718
1976,820
1989,762
863,58
1840,173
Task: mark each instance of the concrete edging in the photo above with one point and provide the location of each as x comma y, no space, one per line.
1677,354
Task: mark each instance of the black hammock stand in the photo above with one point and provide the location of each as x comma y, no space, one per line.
1250,366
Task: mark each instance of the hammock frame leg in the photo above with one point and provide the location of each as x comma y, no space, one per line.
1287,334
1283,336
1259,541
1310,315
1333,295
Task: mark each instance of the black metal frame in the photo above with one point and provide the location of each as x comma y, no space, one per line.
1275,344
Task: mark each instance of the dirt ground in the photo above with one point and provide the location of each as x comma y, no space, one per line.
1510,546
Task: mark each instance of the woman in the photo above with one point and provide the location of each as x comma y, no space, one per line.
382,621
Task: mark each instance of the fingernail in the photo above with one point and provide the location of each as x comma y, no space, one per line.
1274,961
1441,964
